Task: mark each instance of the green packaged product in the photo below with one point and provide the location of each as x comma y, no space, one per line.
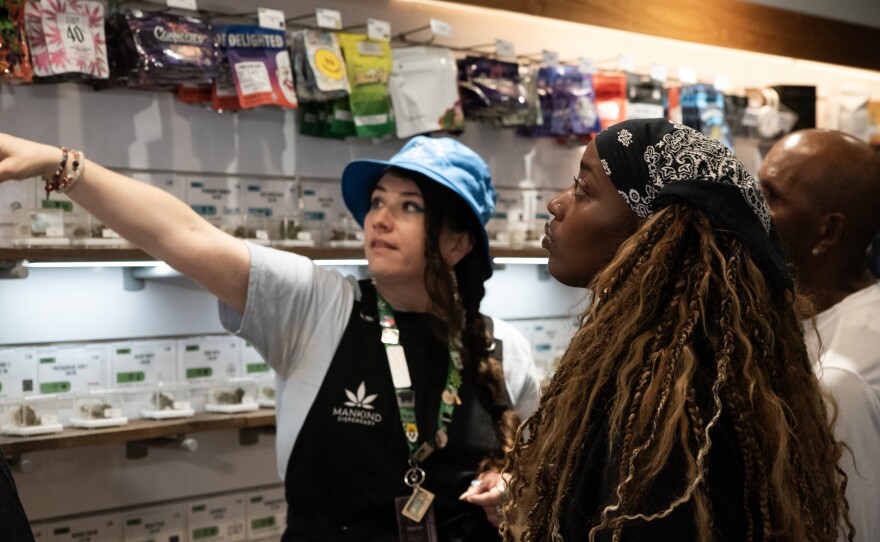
368,63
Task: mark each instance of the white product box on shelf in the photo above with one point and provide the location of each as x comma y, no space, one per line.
99,408
208,358
14,197
165,400
18,371
135,363
266,514
213,197
98,528
269,198
76,369
289,231
254,366
87,231
345,232
266,391
498,227
160,524
39,228
217,519
319,206
31,415
231,396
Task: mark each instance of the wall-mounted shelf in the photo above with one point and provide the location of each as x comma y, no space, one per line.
136,255
136,430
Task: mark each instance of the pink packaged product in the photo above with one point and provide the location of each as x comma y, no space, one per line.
260,66
67,38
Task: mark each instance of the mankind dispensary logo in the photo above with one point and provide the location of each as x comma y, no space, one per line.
358,409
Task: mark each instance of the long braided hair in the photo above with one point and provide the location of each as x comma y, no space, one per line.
682,309
456,294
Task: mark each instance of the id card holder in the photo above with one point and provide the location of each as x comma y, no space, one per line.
412,531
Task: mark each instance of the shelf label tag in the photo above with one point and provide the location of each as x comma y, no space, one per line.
550,58
271,18
183,4
378,30
441,28
330,19
504,48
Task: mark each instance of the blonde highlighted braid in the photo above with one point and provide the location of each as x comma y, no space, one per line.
682,305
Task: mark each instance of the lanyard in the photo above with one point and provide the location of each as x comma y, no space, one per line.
406,397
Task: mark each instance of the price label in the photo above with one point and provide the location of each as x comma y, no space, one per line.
183,4
271,18
504,48
440,28
625,63
586,65
658,72
550,58
330,19
687,75
722,82
76,38
378,30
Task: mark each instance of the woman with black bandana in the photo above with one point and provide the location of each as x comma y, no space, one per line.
685,407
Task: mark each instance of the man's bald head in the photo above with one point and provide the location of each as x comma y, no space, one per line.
822,172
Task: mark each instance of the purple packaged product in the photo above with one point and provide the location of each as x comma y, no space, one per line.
490,87
568,103
172,49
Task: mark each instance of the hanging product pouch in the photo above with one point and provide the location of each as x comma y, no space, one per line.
260,66
323,60
702,108
340,118
317,65
15,64
644,97
610,97
424,91
172,49
491,90
368,64
573,102
224,96
68,38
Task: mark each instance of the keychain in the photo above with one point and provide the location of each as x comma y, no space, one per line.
420,500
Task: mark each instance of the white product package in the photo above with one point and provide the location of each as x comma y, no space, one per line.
424,90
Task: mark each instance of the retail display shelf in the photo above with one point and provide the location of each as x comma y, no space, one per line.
136,430
60,255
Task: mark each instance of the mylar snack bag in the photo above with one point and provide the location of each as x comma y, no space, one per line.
67,39
260,66
15,63
172,49
424,91
368,64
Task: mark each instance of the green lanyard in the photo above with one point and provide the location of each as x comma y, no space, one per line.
406,398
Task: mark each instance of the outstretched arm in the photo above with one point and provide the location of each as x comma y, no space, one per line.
160,224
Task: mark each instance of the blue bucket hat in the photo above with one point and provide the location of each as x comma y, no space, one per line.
443,160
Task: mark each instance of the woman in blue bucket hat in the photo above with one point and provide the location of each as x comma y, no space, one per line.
685,407
396,399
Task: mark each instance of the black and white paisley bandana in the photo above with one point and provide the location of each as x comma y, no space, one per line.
654,163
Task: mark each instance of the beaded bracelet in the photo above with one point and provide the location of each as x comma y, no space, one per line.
61,180
52,182
77,166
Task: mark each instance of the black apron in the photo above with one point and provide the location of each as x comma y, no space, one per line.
349,459
13,521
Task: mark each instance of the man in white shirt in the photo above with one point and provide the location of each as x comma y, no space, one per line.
823,188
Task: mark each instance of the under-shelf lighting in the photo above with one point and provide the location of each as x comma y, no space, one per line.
501,260
148,263
353,261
